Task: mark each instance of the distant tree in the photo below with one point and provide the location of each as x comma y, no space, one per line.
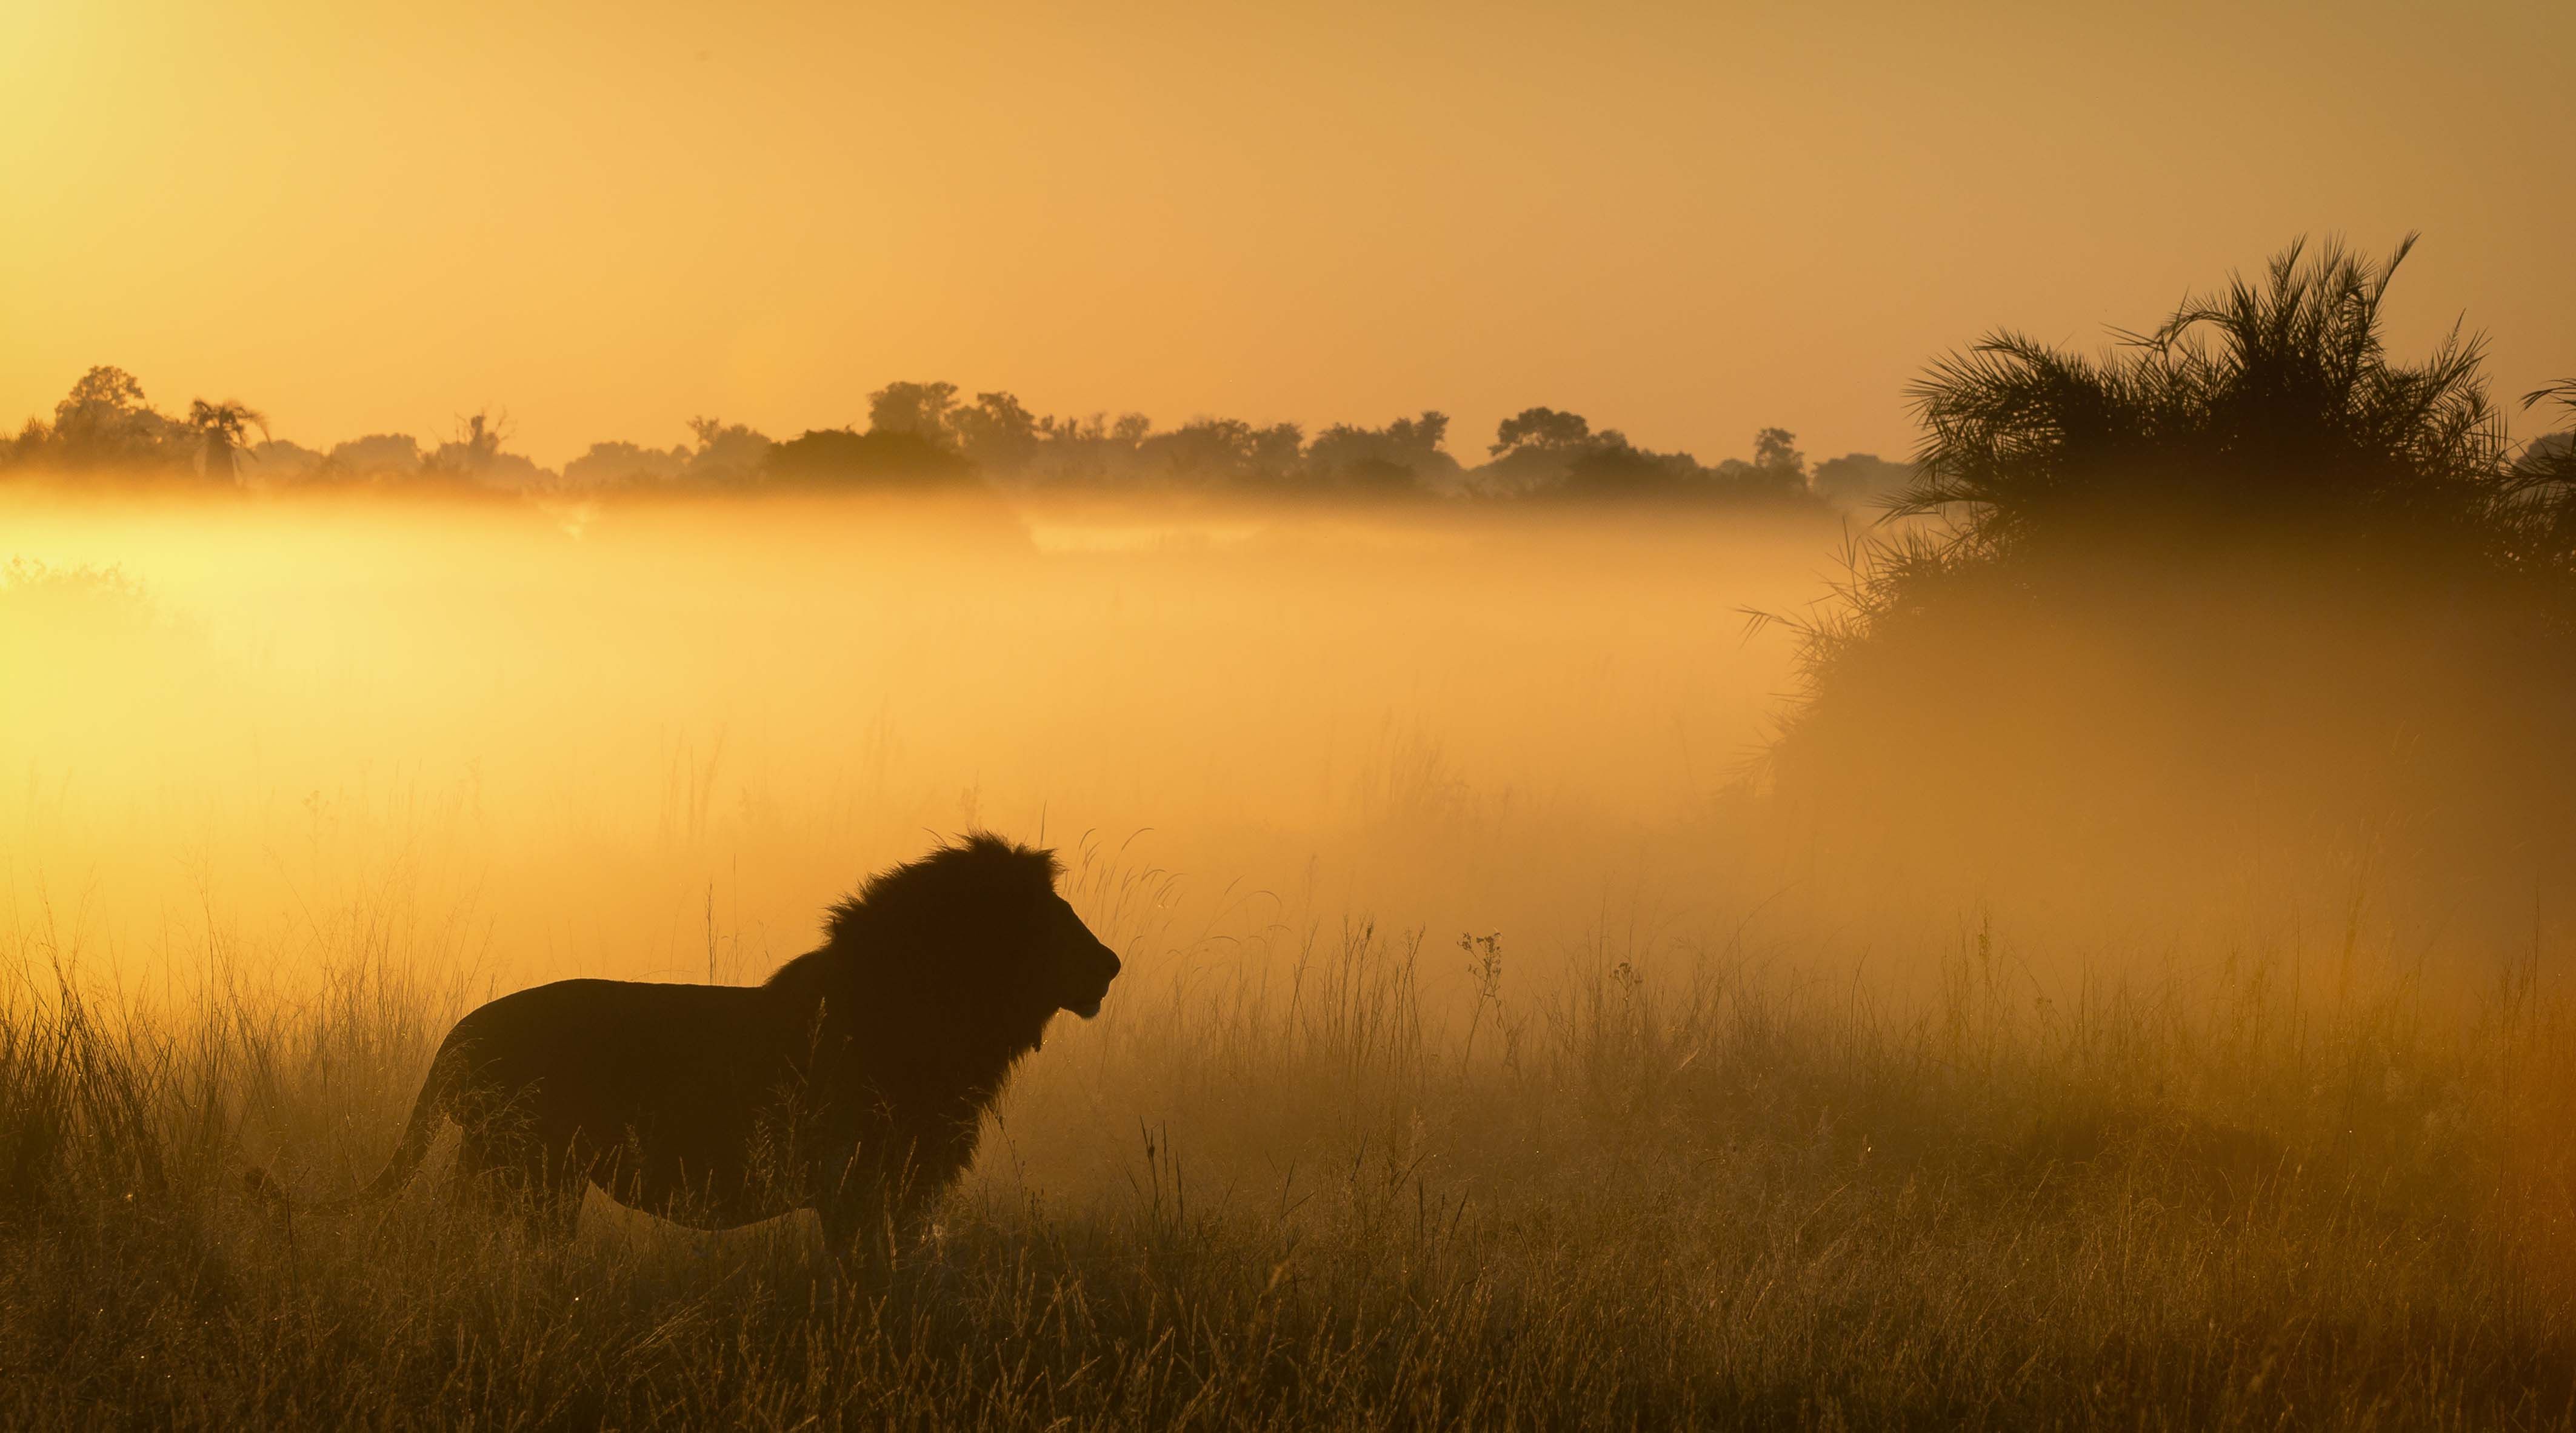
1611,467
32,445
1861,482
1778,470
1543,452
220,428
1274,454
1422,435
374,458
920,409
476,444
608,465
995,432
1776,450
276,460
1541,430
727,454
1082,451
477,455
1222,453
1536,449
104,390
106,422
878,458
1404,456
1094,451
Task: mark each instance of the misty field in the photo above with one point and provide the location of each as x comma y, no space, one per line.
1487,1056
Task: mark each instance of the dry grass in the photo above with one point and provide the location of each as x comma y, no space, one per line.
1662,1188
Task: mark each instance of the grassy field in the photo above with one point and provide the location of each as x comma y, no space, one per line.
1671,1192
1697,1139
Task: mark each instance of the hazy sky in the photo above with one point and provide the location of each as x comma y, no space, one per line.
1687,221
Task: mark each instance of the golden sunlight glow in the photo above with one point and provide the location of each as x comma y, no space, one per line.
1690,221
1219,715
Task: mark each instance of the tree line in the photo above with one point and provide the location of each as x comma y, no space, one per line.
925,436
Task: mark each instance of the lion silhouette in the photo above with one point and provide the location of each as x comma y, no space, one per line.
851,1082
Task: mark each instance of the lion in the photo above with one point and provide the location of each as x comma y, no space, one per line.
851,1082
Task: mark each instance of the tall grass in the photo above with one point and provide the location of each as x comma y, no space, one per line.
1640,1184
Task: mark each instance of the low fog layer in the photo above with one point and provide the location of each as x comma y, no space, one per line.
598,752
2246,626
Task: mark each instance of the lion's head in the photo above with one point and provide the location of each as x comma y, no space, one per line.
979,921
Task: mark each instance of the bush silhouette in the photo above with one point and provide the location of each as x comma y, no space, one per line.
2269,408
2246,585
838,457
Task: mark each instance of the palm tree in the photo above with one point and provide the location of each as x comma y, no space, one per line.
2264,417
2544,482
2244,568
2267,407
220,428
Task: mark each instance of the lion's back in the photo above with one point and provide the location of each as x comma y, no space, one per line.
598,1045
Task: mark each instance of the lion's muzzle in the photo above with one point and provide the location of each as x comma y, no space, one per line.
1084,965
1103,966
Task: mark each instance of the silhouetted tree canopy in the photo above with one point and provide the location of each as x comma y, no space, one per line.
1860,481
277,462
1546,453
2245,574
922,432
607,465
2543,487
375,458
1542,430
1221,453
2270,406
476,456
220,428
105,424
838,457
996,432
920,409
1405,456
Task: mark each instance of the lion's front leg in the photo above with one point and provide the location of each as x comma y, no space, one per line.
858,1218
888,1190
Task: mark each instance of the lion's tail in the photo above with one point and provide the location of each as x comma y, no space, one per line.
427,1112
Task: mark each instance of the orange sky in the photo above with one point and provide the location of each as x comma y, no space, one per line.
1686,221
